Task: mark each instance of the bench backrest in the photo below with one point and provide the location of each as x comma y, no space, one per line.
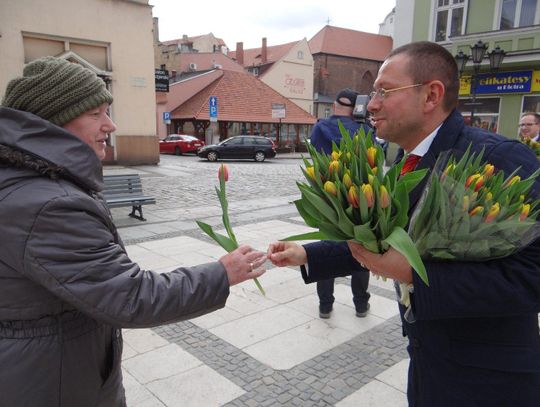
121,185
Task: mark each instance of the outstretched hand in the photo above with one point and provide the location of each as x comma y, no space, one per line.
284,254
243,264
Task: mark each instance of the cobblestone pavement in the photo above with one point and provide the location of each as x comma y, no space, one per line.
257,351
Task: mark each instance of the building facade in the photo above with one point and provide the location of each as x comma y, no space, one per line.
113,38
495,98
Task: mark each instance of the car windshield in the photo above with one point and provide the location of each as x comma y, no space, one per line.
190,138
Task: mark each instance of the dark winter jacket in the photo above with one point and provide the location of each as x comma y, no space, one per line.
475,341
67,285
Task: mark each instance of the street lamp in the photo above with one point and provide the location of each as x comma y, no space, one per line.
478,51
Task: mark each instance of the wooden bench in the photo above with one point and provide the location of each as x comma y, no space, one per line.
126,190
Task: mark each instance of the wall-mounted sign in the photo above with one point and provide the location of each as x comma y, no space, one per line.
504,82
278,111
162,80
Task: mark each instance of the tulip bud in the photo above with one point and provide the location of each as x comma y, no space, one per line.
330,187
348,155
311,172
374,170
476,179
466,203
367,190
478,210
223,172
371,155
334,166
488,170
489,196
347,180
450,168
370,179
335,155
493,212
352,197
384,198
525,208
511,181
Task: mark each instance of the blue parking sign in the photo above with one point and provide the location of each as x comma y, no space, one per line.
213,105
166,116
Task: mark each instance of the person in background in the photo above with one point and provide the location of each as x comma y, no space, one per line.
473,333
324,133
67,285
529,126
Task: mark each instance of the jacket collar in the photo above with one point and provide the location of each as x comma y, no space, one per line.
42,141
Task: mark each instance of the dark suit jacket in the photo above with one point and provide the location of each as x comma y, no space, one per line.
476,340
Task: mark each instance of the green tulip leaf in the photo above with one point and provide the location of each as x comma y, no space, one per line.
228,244
317,235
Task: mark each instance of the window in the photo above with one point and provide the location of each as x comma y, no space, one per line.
449,19
486,112
300,55
531,104
519,13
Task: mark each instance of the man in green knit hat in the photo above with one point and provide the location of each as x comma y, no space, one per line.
67,285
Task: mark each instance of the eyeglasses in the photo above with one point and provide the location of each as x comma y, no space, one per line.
381,93
527,124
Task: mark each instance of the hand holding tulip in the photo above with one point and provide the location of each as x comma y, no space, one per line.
243,264
284,254
390,264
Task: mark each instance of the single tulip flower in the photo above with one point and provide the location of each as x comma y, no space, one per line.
311,172
347,180
334,166
352,197
330,187
367,190
492,213
525,208
478,210
371,155
476,179
489,169
511,181
384,198
223,172
466,203
335,155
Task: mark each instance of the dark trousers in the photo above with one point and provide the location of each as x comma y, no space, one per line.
359,286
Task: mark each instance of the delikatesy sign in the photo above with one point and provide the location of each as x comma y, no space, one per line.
504,82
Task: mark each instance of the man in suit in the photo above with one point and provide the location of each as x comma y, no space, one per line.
474,338
324,133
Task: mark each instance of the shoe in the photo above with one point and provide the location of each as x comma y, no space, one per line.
325,312
362,314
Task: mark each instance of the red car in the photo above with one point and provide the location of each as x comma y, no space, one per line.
180,144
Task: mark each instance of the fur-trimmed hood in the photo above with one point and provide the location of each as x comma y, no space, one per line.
30,145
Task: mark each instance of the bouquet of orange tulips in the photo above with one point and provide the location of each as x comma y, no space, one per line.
470,211
349,197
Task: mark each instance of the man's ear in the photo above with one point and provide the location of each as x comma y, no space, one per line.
435,91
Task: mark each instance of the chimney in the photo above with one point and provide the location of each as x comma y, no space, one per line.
240,53
264,51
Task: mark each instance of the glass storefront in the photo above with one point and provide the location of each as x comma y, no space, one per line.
486,112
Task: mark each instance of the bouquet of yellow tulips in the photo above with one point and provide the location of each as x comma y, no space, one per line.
349,197
469,211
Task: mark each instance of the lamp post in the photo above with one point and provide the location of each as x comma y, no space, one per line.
478,51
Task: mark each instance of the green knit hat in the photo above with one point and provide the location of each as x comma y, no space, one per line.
56,90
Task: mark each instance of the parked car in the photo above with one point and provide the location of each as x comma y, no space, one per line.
256,148
180,144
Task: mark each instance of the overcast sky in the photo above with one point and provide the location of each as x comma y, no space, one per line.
280,21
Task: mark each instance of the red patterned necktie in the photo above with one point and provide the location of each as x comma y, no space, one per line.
410,163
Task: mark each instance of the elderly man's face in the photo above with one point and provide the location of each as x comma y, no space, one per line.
528,127
397,116
93,127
